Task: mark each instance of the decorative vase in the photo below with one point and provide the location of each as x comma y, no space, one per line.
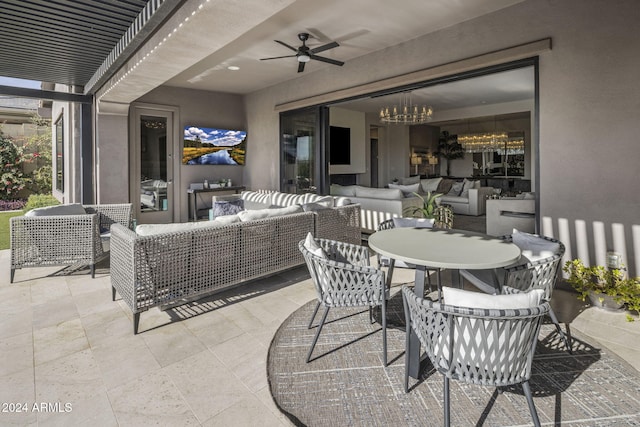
605,302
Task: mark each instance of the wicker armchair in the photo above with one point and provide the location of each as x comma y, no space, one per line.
43,241
538,274
475,346
345,279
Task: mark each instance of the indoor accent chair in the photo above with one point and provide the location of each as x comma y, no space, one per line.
538,268
489,347
343,278
61,235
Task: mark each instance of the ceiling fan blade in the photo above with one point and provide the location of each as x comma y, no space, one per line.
286,45
277,57
324,47
301,66
327,60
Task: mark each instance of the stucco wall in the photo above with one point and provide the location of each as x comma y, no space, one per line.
589,105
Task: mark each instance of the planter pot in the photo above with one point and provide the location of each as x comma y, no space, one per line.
605,302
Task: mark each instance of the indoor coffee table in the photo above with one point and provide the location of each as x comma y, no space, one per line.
433,248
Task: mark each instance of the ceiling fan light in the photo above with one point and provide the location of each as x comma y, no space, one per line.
304,58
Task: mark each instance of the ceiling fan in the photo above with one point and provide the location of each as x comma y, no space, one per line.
304,53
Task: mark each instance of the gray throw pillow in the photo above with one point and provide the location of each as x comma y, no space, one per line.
230,207
456,189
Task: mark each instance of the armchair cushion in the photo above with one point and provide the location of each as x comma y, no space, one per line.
534,248
71,209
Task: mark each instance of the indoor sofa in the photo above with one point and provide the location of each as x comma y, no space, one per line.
163,265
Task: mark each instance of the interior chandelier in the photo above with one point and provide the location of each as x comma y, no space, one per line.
491,141
407,114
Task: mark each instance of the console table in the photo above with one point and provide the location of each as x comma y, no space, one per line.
192,196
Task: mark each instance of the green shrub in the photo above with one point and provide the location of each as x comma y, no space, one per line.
40,201
11,177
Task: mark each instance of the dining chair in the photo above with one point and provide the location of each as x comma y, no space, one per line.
343,277
488,347
538,268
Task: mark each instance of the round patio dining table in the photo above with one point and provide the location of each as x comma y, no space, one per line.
434,248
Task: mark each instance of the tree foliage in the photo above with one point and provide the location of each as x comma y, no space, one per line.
449,148
12,179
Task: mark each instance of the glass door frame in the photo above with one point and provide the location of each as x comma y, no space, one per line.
321,147
174,146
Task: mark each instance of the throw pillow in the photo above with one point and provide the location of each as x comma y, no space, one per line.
342,201
456,189
407,190
313,207
444,186
227,207
466,186
312,246
430,185
534,247
413,222
470,299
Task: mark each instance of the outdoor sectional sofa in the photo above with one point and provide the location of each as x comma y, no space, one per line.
156,268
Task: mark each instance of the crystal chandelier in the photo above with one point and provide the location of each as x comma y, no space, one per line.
480,142
407,114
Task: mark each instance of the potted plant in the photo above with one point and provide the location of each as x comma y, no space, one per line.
428,208
449,148
606,288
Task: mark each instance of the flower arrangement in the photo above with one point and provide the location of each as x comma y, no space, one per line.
600,281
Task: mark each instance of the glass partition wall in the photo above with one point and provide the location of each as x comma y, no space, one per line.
303,151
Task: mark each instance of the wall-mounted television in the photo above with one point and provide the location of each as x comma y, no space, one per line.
339,145
213,146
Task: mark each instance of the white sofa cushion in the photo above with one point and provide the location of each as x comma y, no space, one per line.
251,215
379,193
71,209
454,199
430,185
410,180
407,190
342,201
343,190
152,229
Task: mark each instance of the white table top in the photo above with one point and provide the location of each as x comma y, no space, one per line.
452,249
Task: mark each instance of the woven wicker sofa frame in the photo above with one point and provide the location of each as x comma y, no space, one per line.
59,240
169,269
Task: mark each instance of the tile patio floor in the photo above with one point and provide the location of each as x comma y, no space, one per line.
63,341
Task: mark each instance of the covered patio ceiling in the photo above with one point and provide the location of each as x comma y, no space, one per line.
66,42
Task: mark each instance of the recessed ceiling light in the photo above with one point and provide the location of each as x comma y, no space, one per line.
233,68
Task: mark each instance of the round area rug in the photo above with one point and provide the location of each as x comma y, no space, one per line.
345,383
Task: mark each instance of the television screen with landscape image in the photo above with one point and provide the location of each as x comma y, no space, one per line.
212,146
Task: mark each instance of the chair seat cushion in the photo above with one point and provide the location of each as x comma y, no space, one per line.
312,246
470,299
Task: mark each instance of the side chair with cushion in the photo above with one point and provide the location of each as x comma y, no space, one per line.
468,339
343,277
64,235
537,268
